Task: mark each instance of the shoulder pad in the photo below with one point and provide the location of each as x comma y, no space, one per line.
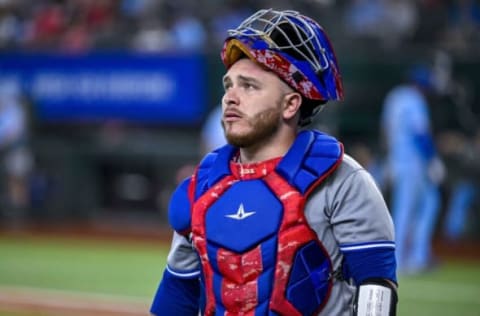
312,156
212,168
179,208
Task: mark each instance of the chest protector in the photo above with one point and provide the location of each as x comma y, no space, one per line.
259,256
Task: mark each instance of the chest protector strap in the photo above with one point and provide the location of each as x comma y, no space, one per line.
258,254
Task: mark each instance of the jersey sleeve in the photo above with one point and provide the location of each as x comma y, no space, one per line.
176,296
179,290
183,260
363,227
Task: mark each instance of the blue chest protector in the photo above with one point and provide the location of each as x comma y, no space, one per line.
241,227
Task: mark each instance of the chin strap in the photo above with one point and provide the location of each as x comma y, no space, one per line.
376,297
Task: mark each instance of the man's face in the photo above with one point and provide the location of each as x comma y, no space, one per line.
252,104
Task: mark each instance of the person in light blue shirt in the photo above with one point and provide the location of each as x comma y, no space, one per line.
16,159
414,168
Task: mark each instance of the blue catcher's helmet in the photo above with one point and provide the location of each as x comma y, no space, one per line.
293,46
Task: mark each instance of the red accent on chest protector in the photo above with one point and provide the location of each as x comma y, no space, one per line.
239,291
239,287
293,233
199,210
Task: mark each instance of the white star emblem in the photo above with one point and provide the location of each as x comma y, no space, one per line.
241,214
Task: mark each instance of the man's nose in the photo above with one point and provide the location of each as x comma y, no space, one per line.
230,97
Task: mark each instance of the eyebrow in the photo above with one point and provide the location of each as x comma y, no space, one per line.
243,78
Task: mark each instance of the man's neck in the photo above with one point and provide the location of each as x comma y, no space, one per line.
262,152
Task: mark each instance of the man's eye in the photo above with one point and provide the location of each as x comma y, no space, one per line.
249,86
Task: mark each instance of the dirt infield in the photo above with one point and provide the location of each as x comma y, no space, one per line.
50,302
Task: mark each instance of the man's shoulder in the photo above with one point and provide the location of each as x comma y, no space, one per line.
350,164
347,168
350,182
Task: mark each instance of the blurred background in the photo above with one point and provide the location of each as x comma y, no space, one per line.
102,104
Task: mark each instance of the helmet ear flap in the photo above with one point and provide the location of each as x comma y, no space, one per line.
308,110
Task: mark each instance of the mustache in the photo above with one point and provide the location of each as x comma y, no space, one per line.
232,112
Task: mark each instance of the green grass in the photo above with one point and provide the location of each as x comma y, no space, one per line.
133,269
104,267
452,289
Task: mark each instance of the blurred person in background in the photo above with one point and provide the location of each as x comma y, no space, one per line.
464,154
415,168
460,146
463,25
228,15
16,157
278,221
10,24
391,22
212,136
372,161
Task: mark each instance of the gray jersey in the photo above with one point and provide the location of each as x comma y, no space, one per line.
346,210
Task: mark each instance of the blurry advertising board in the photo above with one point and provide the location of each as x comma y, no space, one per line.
97,87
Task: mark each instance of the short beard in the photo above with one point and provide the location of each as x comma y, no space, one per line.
263,125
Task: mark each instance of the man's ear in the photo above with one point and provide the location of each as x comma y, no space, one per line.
292,104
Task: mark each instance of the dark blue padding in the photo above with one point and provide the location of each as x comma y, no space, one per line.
239,235
262,308
179,214
311,155
217,291
265,285
269,252
212,255
308,285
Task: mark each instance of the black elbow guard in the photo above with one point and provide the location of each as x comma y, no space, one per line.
376,297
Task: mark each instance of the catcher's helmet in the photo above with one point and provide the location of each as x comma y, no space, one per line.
293,46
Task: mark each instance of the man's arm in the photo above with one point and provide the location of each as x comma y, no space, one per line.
176,296
376,297
179,290
364,230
